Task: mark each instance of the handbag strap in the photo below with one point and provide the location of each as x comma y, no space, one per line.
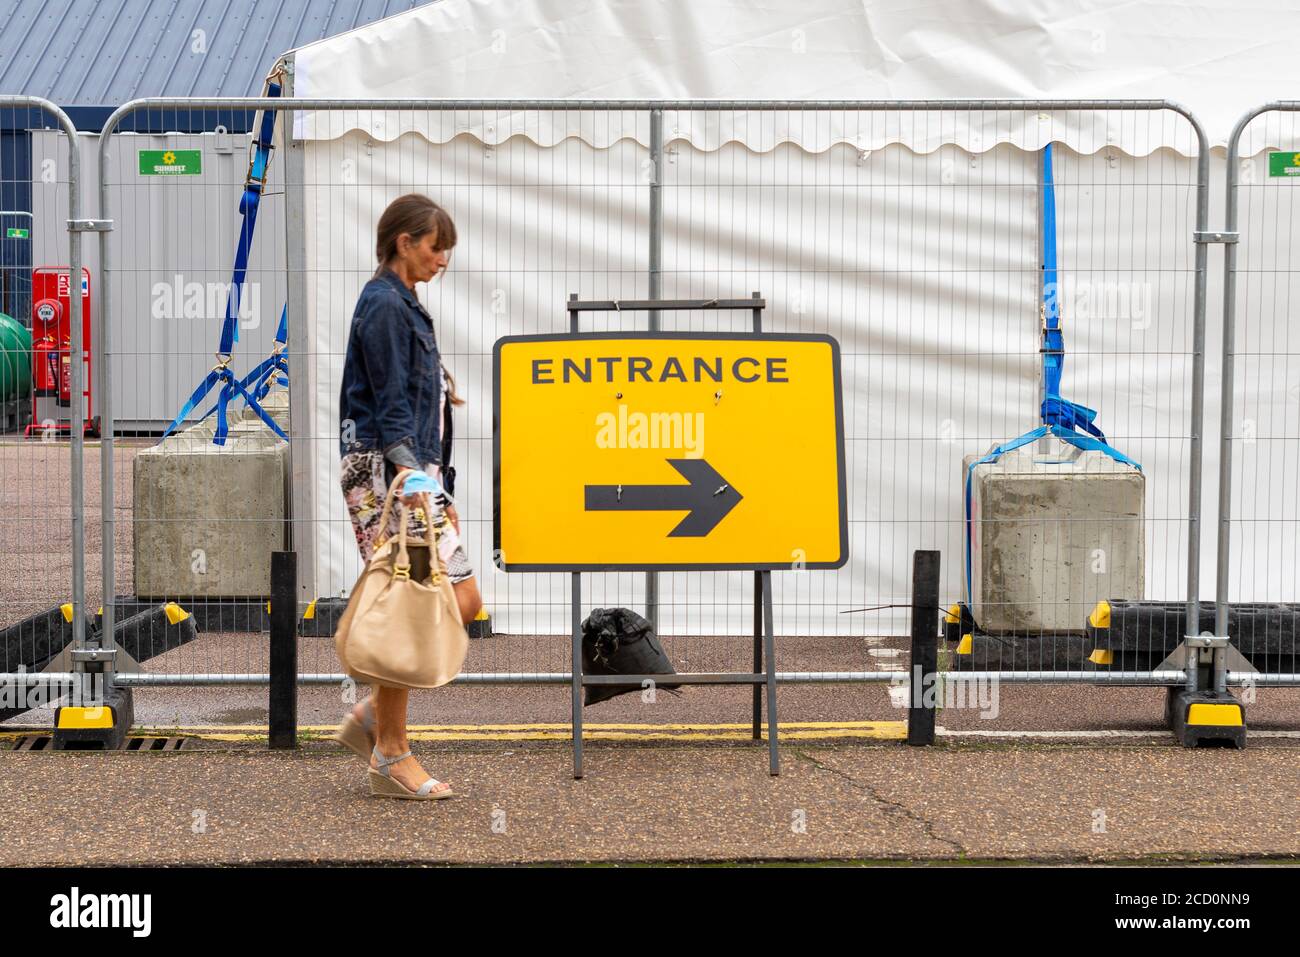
398,482
437,567
402,568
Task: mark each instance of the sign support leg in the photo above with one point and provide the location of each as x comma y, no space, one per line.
576,612
758,653
760,589
769,652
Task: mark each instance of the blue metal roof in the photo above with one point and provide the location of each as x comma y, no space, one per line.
101,53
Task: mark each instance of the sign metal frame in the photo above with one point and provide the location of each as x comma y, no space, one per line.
762,678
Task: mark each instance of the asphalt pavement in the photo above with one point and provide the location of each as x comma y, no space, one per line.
519,803
1021,772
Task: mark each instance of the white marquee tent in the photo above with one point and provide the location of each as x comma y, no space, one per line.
931,291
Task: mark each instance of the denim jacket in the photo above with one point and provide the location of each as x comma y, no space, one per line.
392,375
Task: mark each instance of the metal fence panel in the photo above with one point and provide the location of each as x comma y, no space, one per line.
910,232
1258,544
43,369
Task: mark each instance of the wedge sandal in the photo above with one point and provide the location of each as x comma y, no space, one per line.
358,735
383,784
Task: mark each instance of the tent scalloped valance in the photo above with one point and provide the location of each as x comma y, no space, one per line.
1134,132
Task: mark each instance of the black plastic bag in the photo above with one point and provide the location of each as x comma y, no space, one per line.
618,641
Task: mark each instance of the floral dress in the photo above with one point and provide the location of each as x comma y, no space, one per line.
365,479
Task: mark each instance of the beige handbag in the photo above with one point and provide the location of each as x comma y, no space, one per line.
400,630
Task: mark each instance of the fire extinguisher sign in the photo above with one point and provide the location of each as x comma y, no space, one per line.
63,286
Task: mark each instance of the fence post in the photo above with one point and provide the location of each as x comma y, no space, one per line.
655,291
925,647
283,703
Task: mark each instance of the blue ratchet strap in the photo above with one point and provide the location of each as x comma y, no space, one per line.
258,382
260,379
1061,417
254,182
266,376
227,393
1056,410
263,376
222,373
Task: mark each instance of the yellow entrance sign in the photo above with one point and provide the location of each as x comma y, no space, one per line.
668,451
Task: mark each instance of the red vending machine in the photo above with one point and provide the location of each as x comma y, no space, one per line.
52,352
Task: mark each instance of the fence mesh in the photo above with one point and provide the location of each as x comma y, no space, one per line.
944,249
1259,520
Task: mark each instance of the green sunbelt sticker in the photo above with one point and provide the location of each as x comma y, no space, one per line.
14,233
171,162
1284,164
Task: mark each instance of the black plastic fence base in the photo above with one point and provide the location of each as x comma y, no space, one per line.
1206,717
32,643
210,614
149,631
152,631
95,728
975,650
1126,636
1266,634
324,621
326,612
980,652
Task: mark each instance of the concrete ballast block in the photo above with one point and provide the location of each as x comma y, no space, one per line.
208,517
1054,530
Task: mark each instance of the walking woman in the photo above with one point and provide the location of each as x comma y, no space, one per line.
395,413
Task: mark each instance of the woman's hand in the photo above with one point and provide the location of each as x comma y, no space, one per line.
453,517
412,501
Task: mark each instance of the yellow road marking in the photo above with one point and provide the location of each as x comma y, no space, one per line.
598,731
880,734
545,726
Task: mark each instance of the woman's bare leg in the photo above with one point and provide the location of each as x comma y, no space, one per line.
390,704
470,601
390,737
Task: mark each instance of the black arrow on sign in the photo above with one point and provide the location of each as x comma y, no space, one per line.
708,498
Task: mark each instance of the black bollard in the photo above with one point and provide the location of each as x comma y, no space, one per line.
283,703
925,648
